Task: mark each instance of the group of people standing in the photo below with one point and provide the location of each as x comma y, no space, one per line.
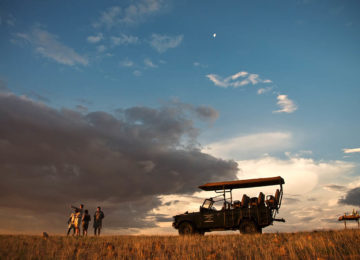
81,217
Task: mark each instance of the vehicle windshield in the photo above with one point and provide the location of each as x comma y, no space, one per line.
207,203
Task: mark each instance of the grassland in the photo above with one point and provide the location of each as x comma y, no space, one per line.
305,245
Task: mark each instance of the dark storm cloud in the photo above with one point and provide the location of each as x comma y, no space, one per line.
288,201
50,158
206,112
352,197
81,108
335,187
37,96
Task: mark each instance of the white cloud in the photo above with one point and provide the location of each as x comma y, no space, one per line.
132,14
49,46
124,39
286,105
137,73
239,79
351,150
126,63
162,43
261,91
149,63
198,64
101,48
253,145
95,38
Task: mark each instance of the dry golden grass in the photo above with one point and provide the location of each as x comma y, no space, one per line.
305,245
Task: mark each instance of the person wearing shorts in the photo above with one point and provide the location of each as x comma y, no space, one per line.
85,222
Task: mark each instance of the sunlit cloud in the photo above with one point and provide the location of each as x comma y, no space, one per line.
261,91
286,105
239,79
351,150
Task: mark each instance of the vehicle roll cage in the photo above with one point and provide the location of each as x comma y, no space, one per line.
224,188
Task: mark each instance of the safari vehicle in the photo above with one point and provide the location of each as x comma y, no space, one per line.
250,215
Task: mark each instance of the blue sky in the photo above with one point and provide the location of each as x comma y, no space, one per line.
282,75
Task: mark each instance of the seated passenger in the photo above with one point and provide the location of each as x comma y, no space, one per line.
261,199
245,201
253,202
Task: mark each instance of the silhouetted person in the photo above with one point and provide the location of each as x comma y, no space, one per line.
71,222
81,212
85,222
98,217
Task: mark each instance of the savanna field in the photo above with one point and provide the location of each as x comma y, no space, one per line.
342,244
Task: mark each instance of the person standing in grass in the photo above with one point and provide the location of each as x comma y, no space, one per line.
77,223
81,212
85,222
71,223
98,217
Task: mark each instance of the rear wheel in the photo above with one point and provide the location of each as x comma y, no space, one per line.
186,228
249,227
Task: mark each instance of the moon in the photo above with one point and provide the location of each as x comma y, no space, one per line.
214,35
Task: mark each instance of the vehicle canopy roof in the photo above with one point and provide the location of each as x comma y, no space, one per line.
249,183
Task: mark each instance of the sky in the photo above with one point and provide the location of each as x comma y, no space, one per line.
131,105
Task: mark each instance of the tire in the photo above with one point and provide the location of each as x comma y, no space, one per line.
249,227
186,228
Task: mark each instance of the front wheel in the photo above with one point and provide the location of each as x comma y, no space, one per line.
249,227
186,228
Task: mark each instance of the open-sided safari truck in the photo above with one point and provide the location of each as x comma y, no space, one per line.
250,215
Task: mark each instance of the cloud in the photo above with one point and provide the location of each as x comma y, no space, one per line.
132,14
198,64
95,39
352,197
261,91
351,150
51,158
286,105
301,175
207,113
126,63
124,39
162,43
101,48
239,79
81,108
137,73
148,63
252,145
48,45
335,187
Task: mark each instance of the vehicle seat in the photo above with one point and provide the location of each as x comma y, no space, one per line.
245,201
273,201
277,196
237,204
253,202
261,199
